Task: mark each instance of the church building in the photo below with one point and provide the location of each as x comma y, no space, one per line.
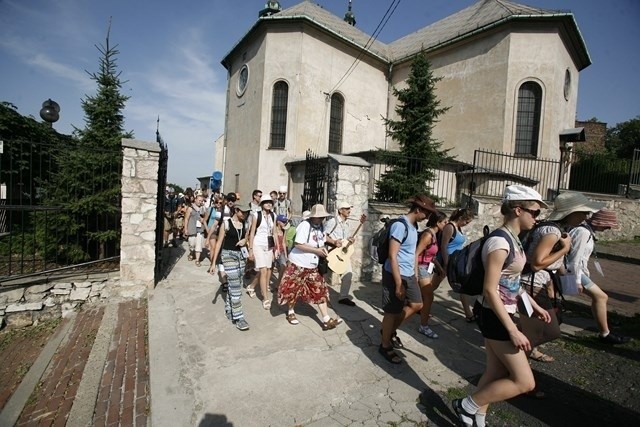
509,73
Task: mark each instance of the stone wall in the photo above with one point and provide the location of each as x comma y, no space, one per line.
23,304
139,204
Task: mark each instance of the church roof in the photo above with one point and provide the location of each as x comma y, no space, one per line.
479,17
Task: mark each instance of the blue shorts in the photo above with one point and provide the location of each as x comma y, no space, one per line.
423,272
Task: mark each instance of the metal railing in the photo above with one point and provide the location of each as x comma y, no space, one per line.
493,171
445,185
604,173
59,207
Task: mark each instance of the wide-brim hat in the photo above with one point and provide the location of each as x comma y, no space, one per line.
604,218
423,202
567,203
523,193
318,211
266,199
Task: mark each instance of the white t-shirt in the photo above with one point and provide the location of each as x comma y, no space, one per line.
312,236
509,284
264,229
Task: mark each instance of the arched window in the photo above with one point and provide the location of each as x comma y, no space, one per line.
528,119
279,115
335,123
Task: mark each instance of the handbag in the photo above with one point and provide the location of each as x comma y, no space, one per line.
323,266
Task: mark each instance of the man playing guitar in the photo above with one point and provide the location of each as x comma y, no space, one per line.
338,229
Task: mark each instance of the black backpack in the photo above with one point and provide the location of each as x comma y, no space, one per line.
383,241
465,270
259,218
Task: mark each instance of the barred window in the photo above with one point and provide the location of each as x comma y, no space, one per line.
335,123
528,119
279,115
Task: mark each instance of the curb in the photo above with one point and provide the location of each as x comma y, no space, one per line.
619,258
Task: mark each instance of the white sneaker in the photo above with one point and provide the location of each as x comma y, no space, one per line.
426,330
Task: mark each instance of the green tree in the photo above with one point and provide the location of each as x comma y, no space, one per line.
87,184
420,154
624,138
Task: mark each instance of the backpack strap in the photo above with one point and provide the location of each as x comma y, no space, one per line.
511,255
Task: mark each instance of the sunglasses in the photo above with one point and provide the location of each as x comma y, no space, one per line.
533,213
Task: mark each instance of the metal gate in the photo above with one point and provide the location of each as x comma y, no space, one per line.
634,173
162,183
315,175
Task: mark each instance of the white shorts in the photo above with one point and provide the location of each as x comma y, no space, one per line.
263,257
196,242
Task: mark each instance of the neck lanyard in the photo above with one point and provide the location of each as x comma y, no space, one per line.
515,238
238,231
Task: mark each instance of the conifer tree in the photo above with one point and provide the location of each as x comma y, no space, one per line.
87,184
420,154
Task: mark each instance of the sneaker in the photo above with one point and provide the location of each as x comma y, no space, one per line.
466,419
614,339
426,330
347,301
242,324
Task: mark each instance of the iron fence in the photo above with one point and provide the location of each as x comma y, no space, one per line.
160,214
493,171
445,185
604,173
59,207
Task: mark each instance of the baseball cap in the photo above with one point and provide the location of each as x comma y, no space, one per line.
518,192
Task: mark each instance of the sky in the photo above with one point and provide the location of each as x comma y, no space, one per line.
170,55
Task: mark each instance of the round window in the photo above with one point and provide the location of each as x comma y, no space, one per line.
243,79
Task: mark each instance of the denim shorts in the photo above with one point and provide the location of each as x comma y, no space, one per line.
423,272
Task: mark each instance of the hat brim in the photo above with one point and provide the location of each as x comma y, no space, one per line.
592,207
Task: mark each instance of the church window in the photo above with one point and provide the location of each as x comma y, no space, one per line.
336,123
528,119
279,115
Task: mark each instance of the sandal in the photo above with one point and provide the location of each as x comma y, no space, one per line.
329,324
190,258
395,340
292,319
251,292
198,264
266,304
390,355
541,357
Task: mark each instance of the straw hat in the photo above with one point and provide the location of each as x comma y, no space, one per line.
567,203
318,211
522,192
604,218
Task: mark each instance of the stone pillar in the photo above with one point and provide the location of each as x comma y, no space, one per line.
139,206
349,181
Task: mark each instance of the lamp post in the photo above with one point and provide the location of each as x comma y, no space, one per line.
50,112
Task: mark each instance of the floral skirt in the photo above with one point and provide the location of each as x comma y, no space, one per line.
302,284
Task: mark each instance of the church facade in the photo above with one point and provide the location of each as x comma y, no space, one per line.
509,74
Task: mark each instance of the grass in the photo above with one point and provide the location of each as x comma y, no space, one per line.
456,393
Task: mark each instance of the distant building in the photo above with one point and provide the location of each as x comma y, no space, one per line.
509,73
595,135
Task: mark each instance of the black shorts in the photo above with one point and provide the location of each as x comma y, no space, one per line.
491,327
390,302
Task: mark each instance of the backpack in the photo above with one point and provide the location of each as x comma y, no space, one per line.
259,218
442,244
290,237
382,248
465,270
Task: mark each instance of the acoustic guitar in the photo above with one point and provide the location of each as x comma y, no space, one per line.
338,258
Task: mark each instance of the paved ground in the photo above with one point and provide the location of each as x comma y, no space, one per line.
92,369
